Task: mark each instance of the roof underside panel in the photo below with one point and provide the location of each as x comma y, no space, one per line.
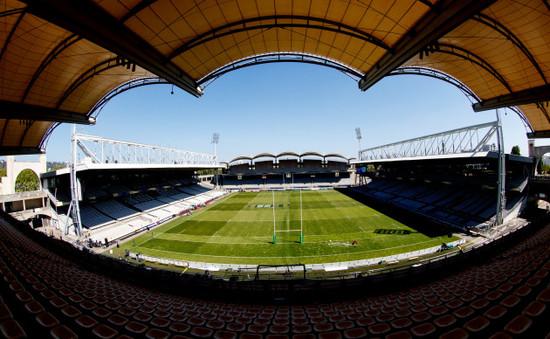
90,91
202,37
33,133
13,132
502,51
45,66
477,78
530,23
538,115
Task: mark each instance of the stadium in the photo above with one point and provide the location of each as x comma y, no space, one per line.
442,235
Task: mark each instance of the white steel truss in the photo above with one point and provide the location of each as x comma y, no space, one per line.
108,151
462,140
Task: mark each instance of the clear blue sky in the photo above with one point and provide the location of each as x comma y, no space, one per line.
286,107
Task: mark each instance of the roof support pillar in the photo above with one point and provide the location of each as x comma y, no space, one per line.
528,96
19,111
8,150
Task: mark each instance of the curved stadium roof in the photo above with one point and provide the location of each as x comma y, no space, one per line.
288,154
314,154
336,155
61,60
264,155
292,154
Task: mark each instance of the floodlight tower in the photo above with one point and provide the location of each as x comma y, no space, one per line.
215,141
359,137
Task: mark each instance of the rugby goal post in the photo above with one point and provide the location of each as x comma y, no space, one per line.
275,230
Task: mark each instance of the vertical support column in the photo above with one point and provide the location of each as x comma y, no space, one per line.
531,146
301,220
501,198
75,196
274,231
533,154
43,168
10,177
215,141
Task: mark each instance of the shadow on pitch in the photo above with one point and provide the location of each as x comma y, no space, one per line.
420,223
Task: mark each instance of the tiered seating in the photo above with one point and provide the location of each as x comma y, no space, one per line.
517,185
337,166
116,189
120,230
106,211
264,167
193,189
143,202
94,193
126,221
288,166
309,165
61,196
114,209
451,203
277,181
174,194
91,217
165,199
45,294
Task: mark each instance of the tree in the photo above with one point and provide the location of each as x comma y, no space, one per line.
57,167
515,150
27,180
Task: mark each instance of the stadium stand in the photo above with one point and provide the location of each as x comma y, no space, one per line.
119,203
460,193
303,180
92,217
114,209
285,173
264,167
123,213
117,218
142,202
288,166
95,193
51,289
458,206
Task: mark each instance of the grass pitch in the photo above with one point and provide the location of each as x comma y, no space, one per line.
238,229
